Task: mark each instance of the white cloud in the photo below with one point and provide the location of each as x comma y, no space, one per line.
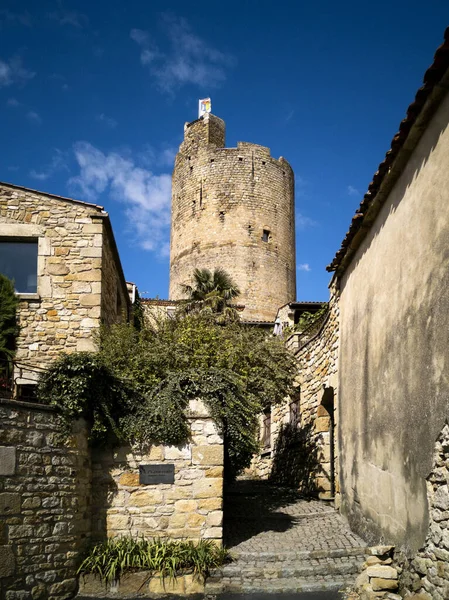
69,17
303,222
12,72
352,191
7,16
146,196
108,121
304,267
13,102
189,59
57,163
34,117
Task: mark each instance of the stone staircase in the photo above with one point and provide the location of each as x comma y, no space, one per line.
281,542
288,571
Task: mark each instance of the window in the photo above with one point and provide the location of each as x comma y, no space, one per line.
18,261
266,430
266,235
295,416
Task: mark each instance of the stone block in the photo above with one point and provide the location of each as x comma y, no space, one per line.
7,460
380,550
382,571
132,584
215,519
208,455
195,520
116,522
7,561
207,488
322,424
90,299
9,503
158,585
214,472
441,497
193,584
210,504
177,521
178,452
145,498
90,585
379,584
129,479
213,533
185,506
63,587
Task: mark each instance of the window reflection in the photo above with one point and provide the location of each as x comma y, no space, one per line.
18,261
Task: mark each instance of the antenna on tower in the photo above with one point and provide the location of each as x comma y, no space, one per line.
204,107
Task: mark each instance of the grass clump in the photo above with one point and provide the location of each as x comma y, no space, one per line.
114,557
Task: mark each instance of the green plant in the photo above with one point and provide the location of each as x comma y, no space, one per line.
307,319
211,292
82,386
8,318
139,385
114,557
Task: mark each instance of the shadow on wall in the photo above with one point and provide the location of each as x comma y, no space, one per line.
296,459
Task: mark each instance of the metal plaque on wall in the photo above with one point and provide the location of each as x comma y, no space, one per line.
153,474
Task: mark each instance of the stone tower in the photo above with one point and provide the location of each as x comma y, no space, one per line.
233,208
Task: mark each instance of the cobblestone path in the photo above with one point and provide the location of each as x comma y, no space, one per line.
284,542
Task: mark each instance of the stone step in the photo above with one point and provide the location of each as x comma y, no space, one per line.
290,569
302,584
283,555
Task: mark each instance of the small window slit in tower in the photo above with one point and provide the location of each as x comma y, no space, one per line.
201,196
191,169
264,162
240,159
266,235
222,215
212,160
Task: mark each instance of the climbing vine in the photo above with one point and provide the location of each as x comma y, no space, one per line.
137,388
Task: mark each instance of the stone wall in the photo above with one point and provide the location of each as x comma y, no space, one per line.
67,308
190,508
44,504
114,293
428,571
223,199
306,424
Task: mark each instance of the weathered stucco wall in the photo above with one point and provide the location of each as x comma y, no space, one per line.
190,508
394,356
222,201
44,504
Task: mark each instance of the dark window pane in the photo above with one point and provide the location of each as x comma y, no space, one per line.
18,261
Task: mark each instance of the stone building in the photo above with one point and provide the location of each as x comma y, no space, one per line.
62,255
233,208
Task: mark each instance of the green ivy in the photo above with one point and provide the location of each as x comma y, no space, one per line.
137,388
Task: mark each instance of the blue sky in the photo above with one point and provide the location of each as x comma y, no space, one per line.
94,96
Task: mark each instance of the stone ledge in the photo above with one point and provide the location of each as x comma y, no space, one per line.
143,583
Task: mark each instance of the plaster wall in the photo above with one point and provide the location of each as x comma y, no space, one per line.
223,199
394,357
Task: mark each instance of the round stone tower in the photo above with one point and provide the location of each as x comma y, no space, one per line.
233,208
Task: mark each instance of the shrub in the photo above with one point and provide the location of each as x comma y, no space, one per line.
8,318
113,558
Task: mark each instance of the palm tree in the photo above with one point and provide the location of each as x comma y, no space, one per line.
211,292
